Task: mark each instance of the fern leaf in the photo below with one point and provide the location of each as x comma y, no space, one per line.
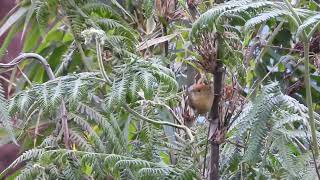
4,115
30,172
310,21
42,14
265,16
154,172
147,83
81,143
207,19
168,80
133,88
118,93
133,163
94,7
78,91
119,29
109,132
28,155
253,5
57,94
44,95
148,7
87,127
24,101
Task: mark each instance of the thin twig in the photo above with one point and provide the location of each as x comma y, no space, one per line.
269,41
8,81
236,144
25,76
167,107
64,119
36,130
185,128
99,57
205,154
25,56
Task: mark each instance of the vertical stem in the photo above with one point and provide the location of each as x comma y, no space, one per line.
164,33
100,62
306,38
214,159
215,126
309,100
64,122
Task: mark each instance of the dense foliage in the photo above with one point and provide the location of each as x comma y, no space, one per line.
110,101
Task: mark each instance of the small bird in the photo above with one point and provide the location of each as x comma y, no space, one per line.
201,97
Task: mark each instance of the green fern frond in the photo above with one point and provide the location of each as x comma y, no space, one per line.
260,123
50,141
133,163
118,132
286,157
28,155
253,5
78,91
42,14
22,101
116,28
66,59
147,83
133,88
71,173
166,79
118,93
284,118
265,16
57,94
230,155
108,131
154,172
184,173
206,22
30,172
148,8
92,134
256,141
114,41
113,158
306,24
94,7
46,95
4,115
80,143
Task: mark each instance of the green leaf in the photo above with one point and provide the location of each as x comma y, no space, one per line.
12,20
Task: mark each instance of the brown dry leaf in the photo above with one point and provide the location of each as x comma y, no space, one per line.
151,42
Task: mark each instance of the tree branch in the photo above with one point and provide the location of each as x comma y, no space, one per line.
25,56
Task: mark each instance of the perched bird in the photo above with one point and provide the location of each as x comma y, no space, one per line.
201,97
